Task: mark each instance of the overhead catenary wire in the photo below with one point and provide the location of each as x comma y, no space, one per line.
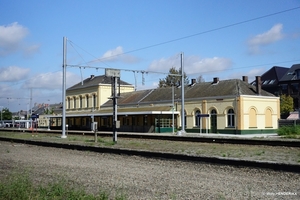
177,39
200,33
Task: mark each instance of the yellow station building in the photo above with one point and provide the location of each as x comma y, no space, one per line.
221,106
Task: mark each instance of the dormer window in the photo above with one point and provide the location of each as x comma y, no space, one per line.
265,82
272,81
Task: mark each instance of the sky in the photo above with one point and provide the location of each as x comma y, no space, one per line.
143,39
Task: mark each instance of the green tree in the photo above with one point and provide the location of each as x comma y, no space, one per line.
6,114
170,79
49,111
286,104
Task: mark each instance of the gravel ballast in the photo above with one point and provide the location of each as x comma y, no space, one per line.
142,178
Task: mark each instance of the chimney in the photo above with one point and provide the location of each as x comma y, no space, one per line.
245,79
92,76
258,85
193,82
216,80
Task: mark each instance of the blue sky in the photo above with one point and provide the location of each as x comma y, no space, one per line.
226,39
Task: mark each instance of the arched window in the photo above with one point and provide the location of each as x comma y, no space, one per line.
74,103
268,118
94,101
80,102
213,121
197,118
252,118
69,103
230,118
87,101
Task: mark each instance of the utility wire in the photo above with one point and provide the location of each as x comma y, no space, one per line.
212,71
174,40
201,33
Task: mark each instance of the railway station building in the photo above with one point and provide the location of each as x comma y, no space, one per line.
220,106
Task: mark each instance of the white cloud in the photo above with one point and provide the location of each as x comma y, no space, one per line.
51,81
31,50
164,64
117,54
192,64
207,65
271,36
11,37
13,73
251,74
113,53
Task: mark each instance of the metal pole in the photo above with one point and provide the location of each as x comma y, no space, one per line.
115,138
1,115
49,123
182,97
64,89
173,108
31,108
200,124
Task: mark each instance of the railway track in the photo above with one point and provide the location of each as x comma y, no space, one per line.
163,155
190,138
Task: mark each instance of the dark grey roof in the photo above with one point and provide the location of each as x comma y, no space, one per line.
291,74
95,81
272,76
233,87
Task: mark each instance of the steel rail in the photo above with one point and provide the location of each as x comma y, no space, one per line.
157,136
163,155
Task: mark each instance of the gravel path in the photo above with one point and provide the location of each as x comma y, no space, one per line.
142,178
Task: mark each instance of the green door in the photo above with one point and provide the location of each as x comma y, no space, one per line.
213,121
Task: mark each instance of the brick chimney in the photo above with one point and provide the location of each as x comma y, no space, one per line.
245,79
215,80
193,82
258,85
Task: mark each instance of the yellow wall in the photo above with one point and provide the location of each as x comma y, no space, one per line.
260,106
102,93
266,112
205,106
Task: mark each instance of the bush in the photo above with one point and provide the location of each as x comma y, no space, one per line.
289,130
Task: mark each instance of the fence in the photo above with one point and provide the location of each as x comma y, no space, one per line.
288,122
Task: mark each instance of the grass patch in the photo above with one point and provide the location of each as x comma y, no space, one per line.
106,142
260,153
289,131
19,186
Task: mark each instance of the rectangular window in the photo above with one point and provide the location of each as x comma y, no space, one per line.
69,103
87,101
94,101
294,87
284,88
